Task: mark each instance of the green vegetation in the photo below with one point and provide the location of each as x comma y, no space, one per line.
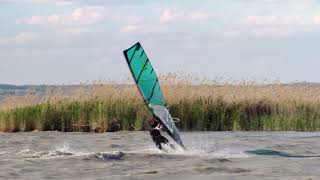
214,107
90,115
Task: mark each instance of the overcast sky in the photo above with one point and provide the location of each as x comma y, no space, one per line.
72,41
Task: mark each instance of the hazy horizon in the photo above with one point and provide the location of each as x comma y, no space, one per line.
69,41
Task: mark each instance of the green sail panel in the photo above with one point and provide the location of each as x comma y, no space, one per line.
144,75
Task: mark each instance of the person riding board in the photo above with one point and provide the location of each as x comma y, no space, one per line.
154,128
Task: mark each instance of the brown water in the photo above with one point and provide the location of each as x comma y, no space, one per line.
132,155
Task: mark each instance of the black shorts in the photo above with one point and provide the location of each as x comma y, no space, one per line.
158,140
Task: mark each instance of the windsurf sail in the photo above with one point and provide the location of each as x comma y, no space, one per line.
148,84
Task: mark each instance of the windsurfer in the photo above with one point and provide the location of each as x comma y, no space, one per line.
154,128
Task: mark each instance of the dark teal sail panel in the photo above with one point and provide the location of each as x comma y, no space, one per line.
144,75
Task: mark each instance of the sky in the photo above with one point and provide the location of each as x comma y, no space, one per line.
73,41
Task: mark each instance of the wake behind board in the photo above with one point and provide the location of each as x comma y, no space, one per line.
148,84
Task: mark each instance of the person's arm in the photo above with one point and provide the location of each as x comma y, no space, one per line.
159,127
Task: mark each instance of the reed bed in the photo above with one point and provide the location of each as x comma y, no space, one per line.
205,105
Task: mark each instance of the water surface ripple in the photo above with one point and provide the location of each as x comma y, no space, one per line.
132,155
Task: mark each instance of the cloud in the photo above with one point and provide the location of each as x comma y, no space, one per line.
316,20
88,14
275,26
56,2
78,2
79,16
143,29
274,20
169,15
125,18
131,28
298,6
200,16
271,32
135,24
30,38
264,32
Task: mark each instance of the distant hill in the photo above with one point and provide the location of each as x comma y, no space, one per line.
309,84
13,90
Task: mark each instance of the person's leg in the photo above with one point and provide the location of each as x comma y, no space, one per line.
164,140
157,142
161,139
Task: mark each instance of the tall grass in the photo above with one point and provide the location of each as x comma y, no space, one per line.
205,106
89,115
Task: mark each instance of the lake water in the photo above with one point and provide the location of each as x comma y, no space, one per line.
132,155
